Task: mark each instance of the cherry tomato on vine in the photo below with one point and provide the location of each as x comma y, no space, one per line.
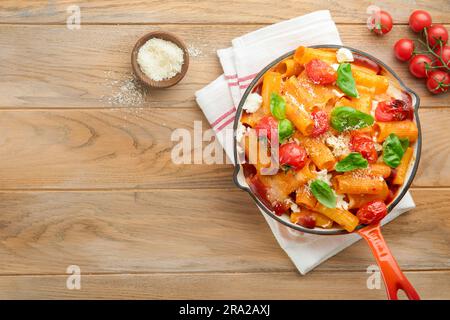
384,25
418,65
292,155
435,33
419,19
394,110
320,72
364,144
444,53
438,81
403,49
321,123
265,126
372,212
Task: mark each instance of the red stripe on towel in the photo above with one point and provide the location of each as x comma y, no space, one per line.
225,123
249,77
229,77
218,120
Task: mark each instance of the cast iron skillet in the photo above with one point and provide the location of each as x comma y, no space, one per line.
393,277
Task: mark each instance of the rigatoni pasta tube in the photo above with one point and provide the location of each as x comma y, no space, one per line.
352,184
344,218
256,151
271,83
403,167
356,201
321,220
305,198
379,169
300,118
380,83
304,55
320,154
403,129
289,67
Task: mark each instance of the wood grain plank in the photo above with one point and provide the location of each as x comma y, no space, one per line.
186,231
131,148
273,286
69,71
203,11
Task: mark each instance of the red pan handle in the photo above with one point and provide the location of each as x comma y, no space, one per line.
393,277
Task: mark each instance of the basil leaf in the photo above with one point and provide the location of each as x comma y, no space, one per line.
345,80
405,143
323,193
285,130
392,151
353,161
347,118
277,106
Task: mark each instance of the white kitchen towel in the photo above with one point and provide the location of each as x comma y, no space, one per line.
219,100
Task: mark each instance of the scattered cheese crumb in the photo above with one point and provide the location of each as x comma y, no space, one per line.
338,93
160,59
294,207
253,102
324,176
339,144
335,66
344,55
340,202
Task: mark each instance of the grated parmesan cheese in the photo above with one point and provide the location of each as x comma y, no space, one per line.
339,144
160,59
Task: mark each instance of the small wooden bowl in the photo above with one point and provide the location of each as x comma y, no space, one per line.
142,76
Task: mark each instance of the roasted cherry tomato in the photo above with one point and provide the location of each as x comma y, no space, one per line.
265,127
321,123
372,212
418,65
394,110
436,33
419,19
320,72
438,81
384,25
307,220
365,145
444,53
292,155
403,49
280,208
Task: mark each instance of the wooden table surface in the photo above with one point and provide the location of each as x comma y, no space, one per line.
86,176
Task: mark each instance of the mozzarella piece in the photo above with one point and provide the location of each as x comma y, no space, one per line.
253,103
294,207
324,176
340,202
335,66
344,55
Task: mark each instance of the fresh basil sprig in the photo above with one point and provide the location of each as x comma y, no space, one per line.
345,80
393,150
347,118
353,161
285,129
323,193
277,106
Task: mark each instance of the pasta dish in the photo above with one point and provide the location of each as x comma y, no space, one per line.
327,139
